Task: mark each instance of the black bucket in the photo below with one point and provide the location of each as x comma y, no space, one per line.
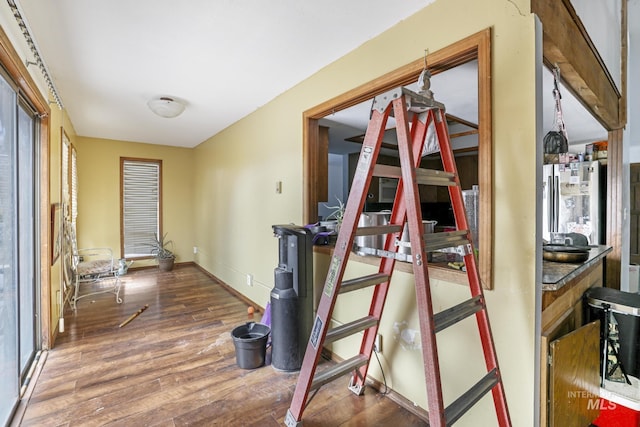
250,341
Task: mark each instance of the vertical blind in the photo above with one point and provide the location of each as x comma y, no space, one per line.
140,206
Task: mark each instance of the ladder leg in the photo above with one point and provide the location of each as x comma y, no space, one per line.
421,277
355,203
482,318
420,124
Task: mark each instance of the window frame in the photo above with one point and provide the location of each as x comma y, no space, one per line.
476,46
123,161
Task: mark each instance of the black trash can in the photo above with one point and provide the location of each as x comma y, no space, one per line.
625,309
250,341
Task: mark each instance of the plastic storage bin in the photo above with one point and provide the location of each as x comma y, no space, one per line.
625,309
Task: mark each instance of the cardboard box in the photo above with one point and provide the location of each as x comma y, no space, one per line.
562,158
634,278
601,145
597,150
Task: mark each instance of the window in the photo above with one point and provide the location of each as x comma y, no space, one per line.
69,179
141,204
74,186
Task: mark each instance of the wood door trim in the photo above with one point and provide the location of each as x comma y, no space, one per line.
634,214
614,214
567,44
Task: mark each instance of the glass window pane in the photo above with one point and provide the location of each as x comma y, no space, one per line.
9,375
26,242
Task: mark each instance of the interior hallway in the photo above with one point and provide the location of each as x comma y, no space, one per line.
174,365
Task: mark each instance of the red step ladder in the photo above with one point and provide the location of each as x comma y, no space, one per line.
423,112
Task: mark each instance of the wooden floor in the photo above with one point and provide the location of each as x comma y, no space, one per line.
174,365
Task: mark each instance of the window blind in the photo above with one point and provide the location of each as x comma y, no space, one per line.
64,166
74,187
141,206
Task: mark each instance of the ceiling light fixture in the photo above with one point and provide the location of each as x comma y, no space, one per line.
166,107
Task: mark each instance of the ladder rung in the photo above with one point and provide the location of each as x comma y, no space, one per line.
338,370
458,408
423,176
386,171
378,229
350,328
435,177
453,315
363,282
450,239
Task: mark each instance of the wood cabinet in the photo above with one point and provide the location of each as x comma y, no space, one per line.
570,352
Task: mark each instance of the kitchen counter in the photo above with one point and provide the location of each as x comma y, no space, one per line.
557,274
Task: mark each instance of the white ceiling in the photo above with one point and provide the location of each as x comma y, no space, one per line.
224,58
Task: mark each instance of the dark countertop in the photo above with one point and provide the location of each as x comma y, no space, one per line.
556,274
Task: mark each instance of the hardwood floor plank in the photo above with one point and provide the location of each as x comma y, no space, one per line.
175,365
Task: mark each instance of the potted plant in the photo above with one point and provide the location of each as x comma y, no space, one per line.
160,250
337,214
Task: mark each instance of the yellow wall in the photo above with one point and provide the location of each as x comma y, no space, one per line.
59,120
236,203
99,193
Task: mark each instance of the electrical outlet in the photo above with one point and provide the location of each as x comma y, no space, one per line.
195,249
378,343
249,279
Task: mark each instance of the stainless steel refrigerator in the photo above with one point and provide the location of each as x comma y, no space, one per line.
572,200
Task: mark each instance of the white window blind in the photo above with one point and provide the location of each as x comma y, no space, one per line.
64,166
140,206
74,186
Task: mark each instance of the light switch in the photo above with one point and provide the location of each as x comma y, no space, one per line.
278,187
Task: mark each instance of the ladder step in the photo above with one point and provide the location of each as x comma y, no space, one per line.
378,229
338,370
363,282
423,176
453,315
350,328
458,408
449,239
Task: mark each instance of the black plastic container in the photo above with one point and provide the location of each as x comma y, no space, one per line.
250,341
292,297
625,309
